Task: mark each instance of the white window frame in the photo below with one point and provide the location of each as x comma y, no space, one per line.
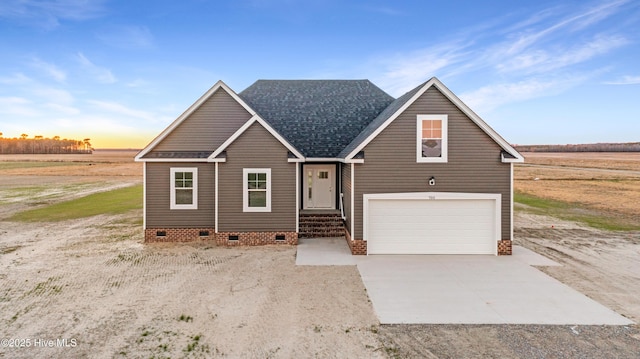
194,172
445,138
245,190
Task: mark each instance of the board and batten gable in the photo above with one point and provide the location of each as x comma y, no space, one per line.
208,126
256,148
158,212
474,160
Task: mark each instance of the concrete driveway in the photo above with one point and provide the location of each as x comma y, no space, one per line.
462,289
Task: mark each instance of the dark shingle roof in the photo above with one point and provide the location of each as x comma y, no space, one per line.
318,117
379,120
177,154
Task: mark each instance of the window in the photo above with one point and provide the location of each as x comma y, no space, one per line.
256,194
431,145
184,188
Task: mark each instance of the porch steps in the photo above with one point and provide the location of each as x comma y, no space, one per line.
321,225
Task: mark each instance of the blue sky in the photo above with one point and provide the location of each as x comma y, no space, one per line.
119,72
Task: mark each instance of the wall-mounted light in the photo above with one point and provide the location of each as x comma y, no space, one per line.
432,181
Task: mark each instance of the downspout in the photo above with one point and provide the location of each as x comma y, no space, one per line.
144,195
511,214
298,197
215,206
353,194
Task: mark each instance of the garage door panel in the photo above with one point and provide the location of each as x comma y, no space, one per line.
427,226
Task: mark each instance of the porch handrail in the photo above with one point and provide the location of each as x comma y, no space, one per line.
342,206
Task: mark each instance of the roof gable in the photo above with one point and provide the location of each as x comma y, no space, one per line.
396,108
213,157
319,117
184,153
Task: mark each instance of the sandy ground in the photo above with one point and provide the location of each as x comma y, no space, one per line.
93,283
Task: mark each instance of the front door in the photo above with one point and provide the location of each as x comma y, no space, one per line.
319,186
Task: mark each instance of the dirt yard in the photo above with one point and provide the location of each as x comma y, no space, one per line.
91,288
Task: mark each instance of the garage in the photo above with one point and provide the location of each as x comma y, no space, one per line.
432,223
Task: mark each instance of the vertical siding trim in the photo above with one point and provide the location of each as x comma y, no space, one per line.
353,193
144,195
298,197
215,205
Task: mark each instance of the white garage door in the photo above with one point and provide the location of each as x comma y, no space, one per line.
432,223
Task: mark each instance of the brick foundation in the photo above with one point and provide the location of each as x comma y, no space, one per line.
504,247
255,238
357,246
178,234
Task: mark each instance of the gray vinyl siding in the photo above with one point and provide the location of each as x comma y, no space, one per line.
474,161
257,148
159,214
207,127
346,190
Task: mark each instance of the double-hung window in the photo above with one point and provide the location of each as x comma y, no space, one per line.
256,189
431,139
184,188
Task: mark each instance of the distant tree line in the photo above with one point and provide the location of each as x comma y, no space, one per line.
588,147
42,145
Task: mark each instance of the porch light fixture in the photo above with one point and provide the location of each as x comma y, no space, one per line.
432,181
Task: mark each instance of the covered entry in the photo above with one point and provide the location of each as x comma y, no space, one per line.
432,223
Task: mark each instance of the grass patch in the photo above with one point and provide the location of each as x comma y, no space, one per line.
111,202
9,165
573,212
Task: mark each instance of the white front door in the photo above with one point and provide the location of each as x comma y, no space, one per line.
319,186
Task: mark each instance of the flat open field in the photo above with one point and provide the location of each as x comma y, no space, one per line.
605,183
94,283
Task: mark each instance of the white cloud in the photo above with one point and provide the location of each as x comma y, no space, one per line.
101,74
53,95
65,110
503,63
491,96
137,83
15,79
48,14
17,106
128,37
404,69
50,69
119,109
548,59
625,80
